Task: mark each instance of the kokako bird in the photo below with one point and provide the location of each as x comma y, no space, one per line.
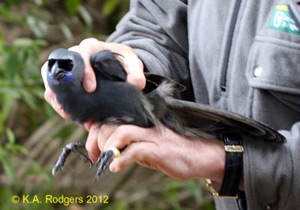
117,101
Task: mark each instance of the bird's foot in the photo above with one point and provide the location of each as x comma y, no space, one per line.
105,159
75,146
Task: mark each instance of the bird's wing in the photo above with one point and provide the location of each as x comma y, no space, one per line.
206,119
105,63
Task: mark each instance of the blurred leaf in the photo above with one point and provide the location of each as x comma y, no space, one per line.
12,146
29,99
38,26
72,6
5,105
66,31
25,42
86,17
36,168
7,164
10,136
9,16
109,6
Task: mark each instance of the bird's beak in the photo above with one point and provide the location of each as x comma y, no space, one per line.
57,72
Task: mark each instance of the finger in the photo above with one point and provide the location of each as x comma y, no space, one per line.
133,65
125,135
151,155
44,75
152,148
86,49
49,95
88,125
134,68
137,78
105,132
135,153
51,99
91,144
119,137
136,145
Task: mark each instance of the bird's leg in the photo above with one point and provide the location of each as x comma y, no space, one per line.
74,146
105,159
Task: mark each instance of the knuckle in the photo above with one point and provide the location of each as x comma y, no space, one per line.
138,153
133,151
104,133
124,131
88,41
140,82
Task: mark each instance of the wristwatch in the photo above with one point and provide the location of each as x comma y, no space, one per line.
233,166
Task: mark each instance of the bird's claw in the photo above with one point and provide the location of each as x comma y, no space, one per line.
105,159
74,146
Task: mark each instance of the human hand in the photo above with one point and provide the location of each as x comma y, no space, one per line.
159,148
132,64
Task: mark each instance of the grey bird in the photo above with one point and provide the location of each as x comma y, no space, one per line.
119,102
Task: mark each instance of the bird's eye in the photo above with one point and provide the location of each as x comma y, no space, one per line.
51,63
66,64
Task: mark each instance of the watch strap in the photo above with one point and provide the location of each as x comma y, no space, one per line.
233,165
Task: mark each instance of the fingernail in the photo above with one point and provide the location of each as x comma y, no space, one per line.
112,168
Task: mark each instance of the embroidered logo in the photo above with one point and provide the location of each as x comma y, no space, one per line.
281,20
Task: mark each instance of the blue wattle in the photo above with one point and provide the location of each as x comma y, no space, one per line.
51,80
68,78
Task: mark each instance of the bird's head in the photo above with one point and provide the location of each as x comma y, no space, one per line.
65,67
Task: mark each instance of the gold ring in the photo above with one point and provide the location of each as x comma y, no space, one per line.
116,152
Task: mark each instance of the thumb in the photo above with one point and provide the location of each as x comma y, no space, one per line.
89,79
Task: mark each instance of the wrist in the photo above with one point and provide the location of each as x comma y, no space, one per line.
230,184
210,159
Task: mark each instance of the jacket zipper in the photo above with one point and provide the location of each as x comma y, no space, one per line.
229,45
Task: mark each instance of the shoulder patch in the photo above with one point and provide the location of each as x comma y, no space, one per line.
281,20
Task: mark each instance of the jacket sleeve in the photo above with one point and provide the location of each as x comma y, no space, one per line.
160,39
272,171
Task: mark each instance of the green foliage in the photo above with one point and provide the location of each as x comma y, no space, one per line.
20,78
173,189
7,150
5,13
20,86
72,6
114,11
110,6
